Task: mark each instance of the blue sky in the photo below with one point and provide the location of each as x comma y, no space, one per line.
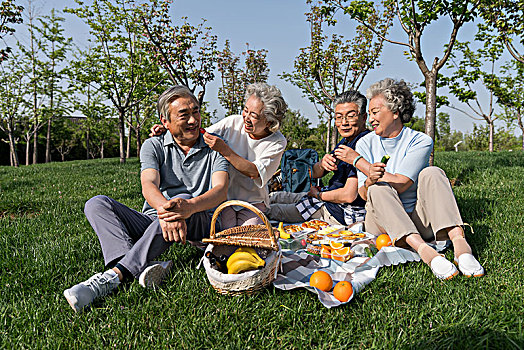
280,27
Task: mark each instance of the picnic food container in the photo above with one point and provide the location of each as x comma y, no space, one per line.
260,237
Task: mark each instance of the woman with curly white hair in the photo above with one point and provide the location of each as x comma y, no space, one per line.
253,146
407,199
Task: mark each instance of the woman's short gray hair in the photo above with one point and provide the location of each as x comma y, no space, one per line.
171,94
397,95
274,105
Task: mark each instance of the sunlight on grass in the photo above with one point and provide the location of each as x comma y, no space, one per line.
47,245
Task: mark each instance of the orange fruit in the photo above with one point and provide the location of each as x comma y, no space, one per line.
383,241
343,291
321,280
336,245
325,251
342,254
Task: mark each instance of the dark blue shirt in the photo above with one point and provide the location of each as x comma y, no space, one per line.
340,176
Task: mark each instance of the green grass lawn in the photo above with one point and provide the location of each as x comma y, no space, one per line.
47,245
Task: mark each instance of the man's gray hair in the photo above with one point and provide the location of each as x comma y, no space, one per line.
352,96
397,95
274,105
172,93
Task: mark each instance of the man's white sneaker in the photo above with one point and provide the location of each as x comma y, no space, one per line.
84,293
442,268
469,266
153,275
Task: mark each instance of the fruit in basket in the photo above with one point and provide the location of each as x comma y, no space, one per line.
383,241
343,291
321,280
240,266
244,259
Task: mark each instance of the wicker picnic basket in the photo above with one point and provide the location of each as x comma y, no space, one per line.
227,241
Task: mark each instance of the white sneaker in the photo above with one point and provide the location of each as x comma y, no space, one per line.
443,268
153,275
84,293
469,266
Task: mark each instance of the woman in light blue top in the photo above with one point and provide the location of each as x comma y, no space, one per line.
407,199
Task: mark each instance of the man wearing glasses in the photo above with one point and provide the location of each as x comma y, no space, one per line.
338,203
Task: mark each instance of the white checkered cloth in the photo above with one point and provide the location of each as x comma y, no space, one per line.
308,206
297,268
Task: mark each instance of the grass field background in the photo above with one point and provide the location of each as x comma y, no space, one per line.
47,245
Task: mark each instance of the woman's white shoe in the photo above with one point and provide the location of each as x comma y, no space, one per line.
469,266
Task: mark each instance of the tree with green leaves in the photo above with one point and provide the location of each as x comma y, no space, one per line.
509,89
10,13
296,129
506,18
13,92
414,17
30,57
236,77
469,76
54,47
328,67
120,54
187,53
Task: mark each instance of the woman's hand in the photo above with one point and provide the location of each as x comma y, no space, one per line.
216,144
346,154
157,130
376,171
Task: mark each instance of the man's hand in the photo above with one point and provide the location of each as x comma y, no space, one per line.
156,130
176,209
313,192
329,163
346,154
175,231
216,143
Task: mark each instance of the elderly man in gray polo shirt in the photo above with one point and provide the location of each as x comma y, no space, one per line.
182,181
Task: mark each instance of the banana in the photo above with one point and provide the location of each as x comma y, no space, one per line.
283,234
252,252
241,266
241,256
244,258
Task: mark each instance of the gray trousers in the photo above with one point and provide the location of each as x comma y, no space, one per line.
283,207
131,238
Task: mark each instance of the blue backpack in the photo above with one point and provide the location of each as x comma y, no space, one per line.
297,168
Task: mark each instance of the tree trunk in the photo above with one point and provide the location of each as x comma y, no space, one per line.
35,146
27,148
431,108
138,141
102,150
48,142
328,135
87,143
491,129
12,149
121,132
128,144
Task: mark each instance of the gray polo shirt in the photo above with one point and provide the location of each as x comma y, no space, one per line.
179,173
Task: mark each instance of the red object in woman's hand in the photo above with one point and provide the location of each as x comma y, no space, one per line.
202,131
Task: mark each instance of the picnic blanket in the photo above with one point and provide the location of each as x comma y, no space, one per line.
298,266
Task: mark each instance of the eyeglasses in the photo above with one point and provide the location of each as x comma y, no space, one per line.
351,115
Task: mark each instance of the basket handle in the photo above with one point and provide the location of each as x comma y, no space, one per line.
246,205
